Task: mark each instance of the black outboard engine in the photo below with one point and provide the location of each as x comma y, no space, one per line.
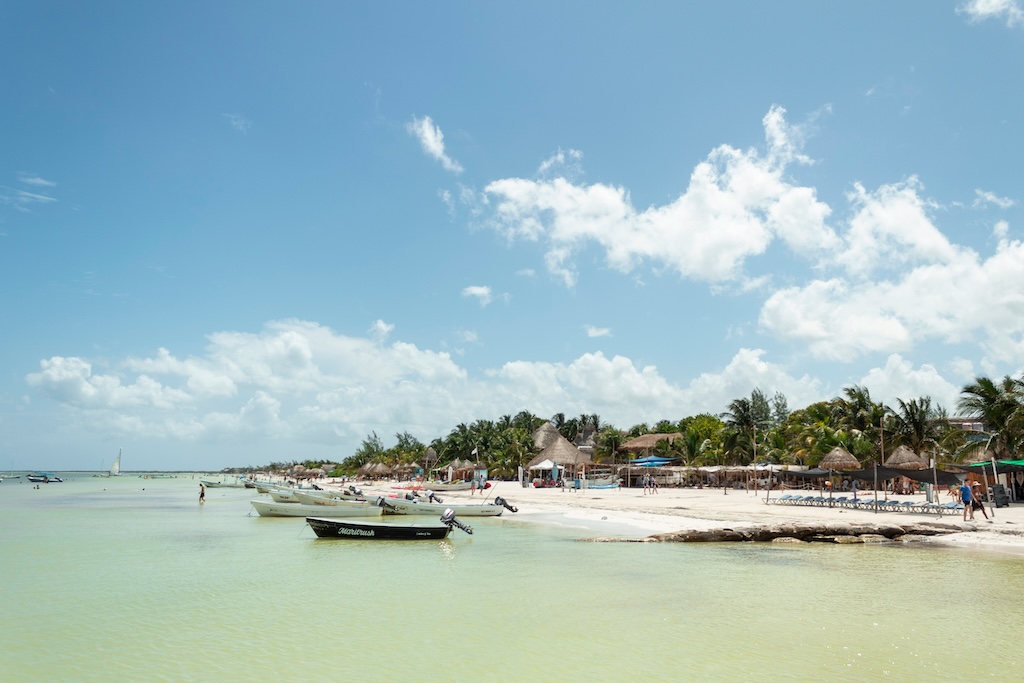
505,504
411,496
449,518
431,498
381,503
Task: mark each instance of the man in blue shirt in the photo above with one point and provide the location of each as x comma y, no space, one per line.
965,498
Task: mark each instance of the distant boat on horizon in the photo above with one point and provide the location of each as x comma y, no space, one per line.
115,469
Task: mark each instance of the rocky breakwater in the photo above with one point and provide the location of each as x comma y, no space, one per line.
830,532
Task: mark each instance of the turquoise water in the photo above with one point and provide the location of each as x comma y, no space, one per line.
129,579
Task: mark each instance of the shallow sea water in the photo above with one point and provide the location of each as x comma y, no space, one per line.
129,579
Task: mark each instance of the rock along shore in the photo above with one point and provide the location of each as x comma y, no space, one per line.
837,532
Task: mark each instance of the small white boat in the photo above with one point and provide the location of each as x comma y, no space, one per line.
213,484
405,506
268,509
283,496
448,485
325,499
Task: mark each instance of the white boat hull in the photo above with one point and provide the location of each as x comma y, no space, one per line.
324,499
268,509
407,507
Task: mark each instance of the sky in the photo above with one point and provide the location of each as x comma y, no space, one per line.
233,233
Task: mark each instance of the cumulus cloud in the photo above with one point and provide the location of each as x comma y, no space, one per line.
481,293
302,383
380,330
898,281
432,140
898,379
736,203
1001,10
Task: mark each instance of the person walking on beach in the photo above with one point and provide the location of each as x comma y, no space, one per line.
654,485
202,493
976,503
646,481
966,499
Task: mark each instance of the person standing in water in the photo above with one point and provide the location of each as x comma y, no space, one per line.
202,493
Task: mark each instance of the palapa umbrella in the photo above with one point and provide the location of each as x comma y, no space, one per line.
838,459
905,459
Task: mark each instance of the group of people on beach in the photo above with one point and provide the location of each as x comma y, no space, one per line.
970,496
650,484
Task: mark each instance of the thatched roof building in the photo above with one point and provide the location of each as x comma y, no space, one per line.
644,444
562,452
544,435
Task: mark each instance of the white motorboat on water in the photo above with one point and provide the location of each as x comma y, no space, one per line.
44,477
268,509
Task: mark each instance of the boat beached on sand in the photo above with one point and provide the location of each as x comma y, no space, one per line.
344,528
432,505
269,509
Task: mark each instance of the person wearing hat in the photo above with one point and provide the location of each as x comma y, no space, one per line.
976,503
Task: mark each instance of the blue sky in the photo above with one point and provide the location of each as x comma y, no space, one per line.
238,232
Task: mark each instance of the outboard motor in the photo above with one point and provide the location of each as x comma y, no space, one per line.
449,518
431,498
381,503
505,504
410,496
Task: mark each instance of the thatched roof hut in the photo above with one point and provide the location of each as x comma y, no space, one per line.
561,452
905,459
645,443
839,459
545,435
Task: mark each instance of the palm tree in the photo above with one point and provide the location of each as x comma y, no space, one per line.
1001,408
918,425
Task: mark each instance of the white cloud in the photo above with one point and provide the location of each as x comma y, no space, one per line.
34,180
982,198
746,371
899,379
238,122
597,331
479,292
307,386
567,162
23,200
380,330
735,204
1008,10
891,228
432,140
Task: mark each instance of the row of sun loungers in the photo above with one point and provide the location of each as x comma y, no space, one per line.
870,504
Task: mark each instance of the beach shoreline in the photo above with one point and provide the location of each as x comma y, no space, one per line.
631,514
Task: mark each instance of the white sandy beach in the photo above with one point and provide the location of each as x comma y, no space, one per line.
631,513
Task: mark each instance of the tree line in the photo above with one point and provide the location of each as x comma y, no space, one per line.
755,427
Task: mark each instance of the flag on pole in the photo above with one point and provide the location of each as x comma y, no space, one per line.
474,452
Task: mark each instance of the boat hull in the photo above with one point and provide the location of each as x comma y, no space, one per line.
376,531
268,509
329,500
402,506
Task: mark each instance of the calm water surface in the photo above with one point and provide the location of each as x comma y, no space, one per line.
129,579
